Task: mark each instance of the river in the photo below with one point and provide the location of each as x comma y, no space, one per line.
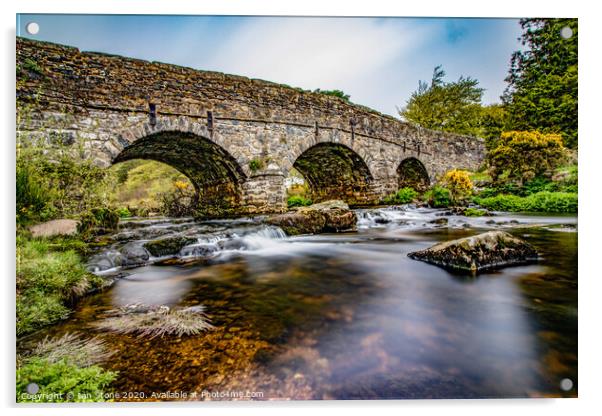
345,316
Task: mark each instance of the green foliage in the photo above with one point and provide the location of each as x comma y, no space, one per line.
48,278
523,155
556,202
33,202
255,165
542,81
447,106
98,221
438,197
474,212
334,93
402,196
298,201
142,183
32,66
123,212
62,381
55,182
494,120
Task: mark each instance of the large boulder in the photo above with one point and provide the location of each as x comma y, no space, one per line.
54,227
329,216
489,250
168,246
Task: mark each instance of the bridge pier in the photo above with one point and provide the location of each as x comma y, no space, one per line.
264,193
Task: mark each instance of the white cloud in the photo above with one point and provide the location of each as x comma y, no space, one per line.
326,53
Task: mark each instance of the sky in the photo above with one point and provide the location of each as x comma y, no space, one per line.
377,61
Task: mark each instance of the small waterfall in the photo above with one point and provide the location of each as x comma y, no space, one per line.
202,240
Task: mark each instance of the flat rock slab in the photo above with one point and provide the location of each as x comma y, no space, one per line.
54,227
493,249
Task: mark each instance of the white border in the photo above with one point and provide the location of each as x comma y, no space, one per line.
589,216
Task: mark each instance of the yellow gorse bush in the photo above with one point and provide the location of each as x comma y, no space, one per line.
458,183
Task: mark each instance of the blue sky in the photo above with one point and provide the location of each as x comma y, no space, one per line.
378,61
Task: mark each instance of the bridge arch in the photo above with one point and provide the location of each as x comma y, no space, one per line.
335,171
215,174
411,172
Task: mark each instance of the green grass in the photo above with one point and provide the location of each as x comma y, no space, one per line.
50,276
59,380
545,201
298,201
140,183
474,212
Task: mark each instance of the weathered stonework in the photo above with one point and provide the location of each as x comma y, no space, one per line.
213,126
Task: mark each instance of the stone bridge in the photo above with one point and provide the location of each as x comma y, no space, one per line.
235,138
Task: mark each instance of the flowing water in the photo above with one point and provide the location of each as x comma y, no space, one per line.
344,316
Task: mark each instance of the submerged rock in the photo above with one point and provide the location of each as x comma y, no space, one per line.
329,216
489,250
168,246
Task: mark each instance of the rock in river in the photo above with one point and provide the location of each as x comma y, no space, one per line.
168,246
329,216
489,250
134,254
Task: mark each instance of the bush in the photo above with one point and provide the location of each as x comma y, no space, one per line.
524,155
402,196
556,202
98,221
55,183
298,201
438,197
179,202
123,212
458,183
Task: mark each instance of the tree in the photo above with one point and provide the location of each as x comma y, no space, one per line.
448,106
524,155
494,120
542,83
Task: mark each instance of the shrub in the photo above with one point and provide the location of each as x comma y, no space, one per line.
438,197
298,201
123,212
62,183
402,196
458,183
98,221
525,155
558,202
181,201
